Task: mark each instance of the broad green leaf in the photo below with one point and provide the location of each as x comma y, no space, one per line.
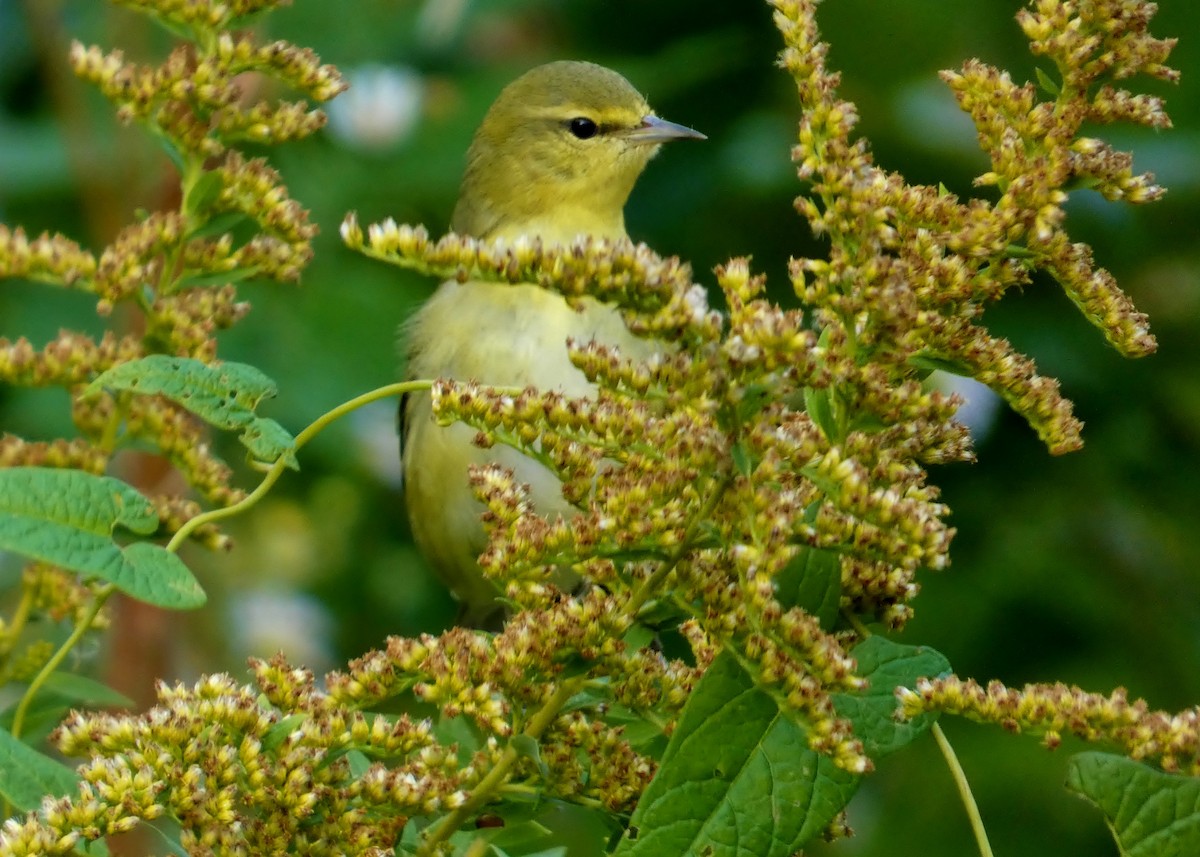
813,581
359,763
887,665
519,837
754,398
1019,251
26,776
737,778
42,716
86,691
224,395
67,518
530,749
153,574
1150,813
169,147
74,499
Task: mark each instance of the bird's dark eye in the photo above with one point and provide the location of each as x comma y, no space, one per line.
582,127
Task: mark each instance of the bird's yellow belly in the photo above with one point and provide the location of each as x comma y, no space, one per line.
501,335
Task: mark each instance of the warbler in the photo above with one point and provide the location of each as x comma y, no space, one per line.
555,158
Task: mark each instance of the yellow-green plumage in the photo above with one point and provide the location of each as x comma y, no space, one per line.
532,170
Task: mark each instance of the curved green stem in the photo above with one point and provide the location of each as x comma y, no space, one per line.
81,627
964,791
280,464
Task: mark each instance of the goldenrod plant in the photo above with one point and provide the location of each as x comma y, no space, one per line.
754,512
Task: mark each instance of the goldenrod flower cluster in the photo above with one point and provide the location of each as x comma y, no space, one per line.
1172,741
271,768
503,682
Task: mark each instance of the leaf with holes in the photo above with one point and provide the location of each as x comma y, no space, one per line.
224,395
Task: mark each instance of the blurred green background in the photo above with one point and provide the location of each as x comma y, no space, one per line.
1081,569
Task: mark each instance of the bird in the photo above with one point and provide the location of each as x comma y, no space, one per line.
554,159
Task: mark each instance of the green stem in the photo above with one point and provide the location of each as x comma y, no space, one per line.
16,625
499,772
280,464
81,627
964,791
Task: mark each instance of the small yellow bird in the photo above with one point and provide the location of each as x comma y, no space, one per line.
555,158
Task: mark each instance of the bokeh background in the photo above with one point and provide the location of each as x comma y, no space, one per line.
1081,568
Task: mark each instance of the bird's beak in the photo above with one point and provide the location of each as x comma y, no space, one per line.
656,130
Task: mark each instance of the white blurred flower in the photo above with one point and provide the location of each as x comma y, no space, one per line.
269,620
381,108
980,405
374,428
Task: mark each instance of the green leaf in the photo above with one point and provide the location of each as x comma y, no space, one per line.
820,411
202,193
741,459
930,362
1046,82
267,440
275,736
812,580
75,499
42,716
220,278
737,778
218,225
26,776
359,763
86,691
155,575
67,518
1150,813
169,147
887,665
224,395
1019,251
754,398
529,748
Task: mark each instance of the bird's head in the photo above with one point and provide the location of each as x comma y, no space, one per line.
558,154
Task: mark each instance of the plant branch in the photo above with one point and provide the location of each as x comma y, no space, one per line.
280,464
964,791
81,627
